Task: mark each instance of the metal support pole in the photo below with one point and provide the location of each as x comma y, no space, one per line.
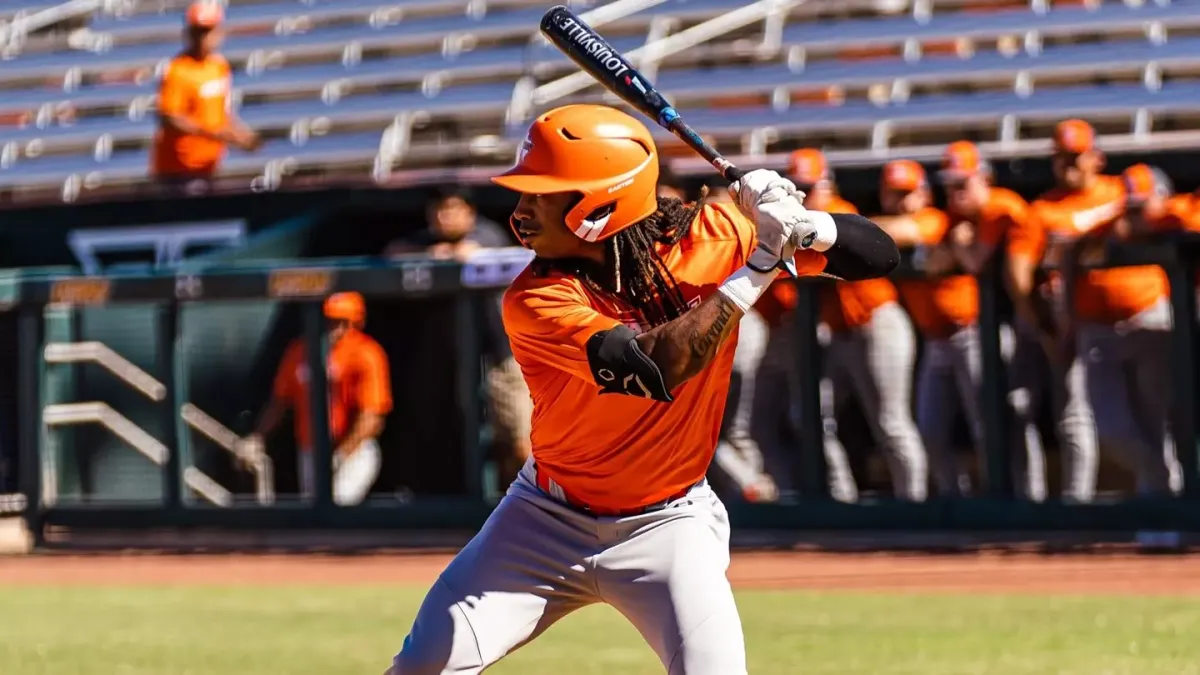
29,415
318,403
806,378
166,327
994,392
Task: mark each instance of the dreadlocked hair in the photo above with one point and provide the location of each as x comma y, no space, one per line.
633,269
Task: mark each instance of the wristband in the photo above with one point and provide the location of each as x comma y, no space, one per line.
745,286
824,230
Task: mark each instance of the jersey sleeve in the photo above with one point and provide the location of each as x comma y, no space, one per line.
1026,237
1011,213
172,92
549,322
375,387
931,225
286,387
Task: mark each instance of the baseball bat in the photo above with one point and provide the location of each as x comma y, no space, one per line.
592,52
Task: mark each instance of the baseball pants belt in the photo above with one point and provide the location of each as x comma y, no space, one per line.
548,485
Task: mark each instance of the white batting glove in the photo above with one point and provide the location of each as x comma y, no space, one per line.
760,186
774,204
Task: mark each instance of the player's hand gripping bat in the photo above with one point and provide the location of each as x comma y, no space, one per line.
592,52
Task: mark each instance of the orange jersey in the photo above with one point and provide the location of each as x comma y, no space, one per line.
939,306
1108,295
781,297
359,382
1004,214
849,304
616,451
198,91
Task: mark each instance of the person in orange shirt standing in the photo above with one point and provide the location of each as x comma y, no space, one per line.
195,121
625,328
870,355
360,396
1112,324
945,309
982,217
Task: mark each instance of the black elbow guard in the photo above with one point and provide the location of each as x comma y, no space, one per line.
619,366
862,250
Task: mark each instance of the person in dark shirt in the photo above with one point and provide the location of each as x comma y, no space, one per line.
454,230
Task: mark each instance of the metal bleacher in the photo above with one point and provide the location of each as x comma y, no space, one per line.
364,87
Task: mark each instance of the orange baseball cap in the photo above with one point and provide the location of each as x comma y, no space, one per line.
1074,136
348,306
904,175
961,160
1143,181
205,14
807,166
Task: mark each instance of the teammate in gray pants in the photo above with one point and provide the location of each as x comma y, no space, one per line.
1032,376
738,456
874,362
1129,382
776,405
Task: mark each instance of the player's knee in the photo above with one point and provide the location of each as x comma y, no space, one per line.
439,645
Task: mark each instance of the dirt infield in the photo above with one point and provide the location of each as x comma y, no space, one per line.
975,573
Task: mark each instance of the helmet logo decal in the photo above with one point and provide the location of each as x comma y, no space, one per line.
623,184
590,229
526,146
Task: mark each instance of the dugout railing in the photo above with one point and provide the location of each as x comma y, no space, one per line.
34,295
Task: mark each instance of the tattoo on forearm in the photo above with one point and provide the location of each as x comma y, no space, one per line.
704,341
683,347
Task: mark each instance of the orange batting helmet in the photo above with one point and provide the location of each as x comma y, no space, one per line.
347,306
604,155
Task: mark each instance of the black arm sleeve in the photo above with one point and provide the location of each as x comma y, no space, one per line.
862,250
620,366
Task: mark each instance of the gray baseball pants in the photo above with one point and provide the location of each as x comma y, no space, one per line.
1129,383
738,454
1032,377
776,417
536,560
951,371
874,362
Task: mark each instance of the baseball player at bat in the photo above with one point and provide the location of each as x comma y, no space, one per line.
624,326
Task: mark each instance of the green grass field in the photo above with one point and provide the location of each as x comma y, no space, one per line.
281,630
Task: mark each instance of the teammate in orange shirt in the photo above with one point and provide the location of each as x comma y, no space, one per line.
870,355
1121,316
945,309
625,328
195,122
983,217
360,396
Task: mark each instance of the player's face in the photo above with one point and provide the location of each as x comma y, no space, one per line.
541,224
818,195
899,202
202,41
451,219
337,329
1073,170
966,196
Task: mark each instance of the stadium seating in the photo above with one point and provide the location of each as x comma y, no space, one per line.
311,75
